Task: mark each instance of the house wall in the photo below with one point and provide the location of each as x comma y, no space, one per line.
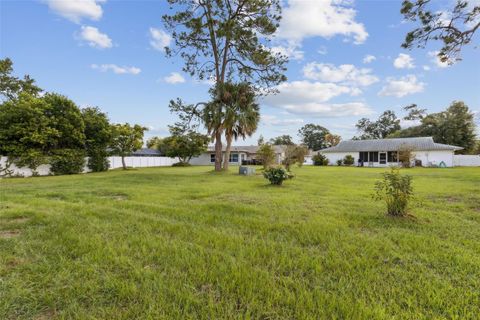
204,159
428,158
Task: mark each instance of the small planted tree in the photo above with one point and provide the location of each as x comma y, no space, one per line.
395,190
126,139
320,160
348,160
266,154
276,175
185,146
406,155
294,154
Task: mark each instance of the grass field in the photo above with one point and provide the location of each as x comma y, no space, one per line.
185,243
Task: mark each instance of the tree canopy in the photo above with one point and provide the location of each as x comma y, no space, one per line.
282,140
11,86
313,136
385,125
455,28
126,139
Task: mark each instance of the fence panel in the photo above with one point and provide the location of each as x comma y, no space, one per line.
461,160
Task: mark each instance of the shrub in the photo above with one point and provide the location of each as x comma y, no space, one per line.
266,154
396,190
98,160
320,160
67,161
348,160
181,164
406,156
339,162
276,175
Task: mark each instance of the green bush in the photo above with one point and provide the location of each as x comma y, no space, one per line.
396,190
320,160
181,164
276,175
67,161
348,160
98,161
339,162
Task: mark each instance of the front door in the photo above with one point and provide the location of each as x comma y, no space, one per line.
383,157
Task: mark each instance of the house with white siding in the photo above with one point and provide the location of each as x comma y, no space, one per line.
238,155
384,152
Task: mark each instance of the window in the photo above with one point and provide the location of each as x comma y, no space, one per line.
212,157
392,156
383,157
363,157
373,156
233,157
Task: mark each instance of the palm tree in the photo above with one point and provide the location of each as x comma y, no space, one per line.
242,114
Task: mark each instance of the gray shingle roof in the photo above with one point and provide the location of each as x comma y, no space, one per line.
421,143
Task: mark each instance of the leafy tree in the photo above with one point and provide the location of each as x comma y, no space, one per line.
185,146
154,142
332,140
126,139
282,140
455,27
242,114
261,140
10,86
294,154
25,131
313,136
98,136
266,154
454,126
385,125
414,112
67,161
226,40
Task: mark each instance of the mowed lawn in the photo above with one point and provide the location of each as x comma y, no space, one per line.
186,243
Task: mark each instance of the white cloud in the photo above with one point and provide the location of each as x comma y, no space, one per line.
369,58
305,97
95,38
116,69
290,51
323,50
345,73
402,86
426,68
272,120
159,39
174,78
436,60
403,61
321,18
76,10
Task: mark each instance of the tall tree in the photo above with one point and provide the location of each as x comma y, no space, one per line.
384,126
332,140
455,28
98,135
313,136
226,40
11,86
185,145
282,140
242,114
126,139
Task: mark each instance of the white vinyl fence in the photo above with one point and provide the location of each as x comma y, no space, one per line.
461,160
115,162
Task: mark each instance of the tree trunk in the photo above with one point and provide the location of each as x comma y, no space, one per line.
123,163
218,151
227,152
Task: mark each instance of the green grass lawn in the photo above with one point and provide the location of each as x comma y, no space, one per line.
185,243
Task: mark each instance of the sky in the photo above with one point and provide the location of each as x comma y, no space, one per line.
346,62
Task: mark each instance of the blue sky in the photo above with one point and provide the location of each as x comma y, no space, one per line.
345,62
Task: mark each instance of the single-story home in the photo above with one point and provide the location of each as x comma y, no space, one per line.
384,152
146,152
238,155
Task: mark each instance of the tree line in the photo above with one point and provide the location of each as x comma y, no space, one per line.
454,126
48,128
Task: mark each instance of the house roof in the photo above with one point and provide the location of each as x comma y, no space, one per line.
421,143
146,152
247,149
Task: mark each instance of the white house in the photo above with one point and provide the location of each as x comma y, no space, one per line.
384,152
238,155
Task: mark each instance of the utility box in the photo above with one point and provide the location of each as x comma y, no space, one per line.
246,171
